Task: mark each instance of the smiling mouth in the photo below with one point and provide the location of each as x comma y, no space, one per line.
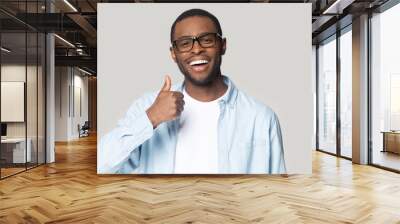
198,62
199,65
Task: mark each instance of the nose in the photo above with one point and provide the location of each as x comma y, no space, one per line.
196,47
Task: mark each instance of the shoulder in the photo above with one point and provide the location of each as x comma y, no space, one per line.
250,103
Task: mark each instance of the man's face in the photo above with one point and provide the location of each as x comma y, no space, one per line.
198,72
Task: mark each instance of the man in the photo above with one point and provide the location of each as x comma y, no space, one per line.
204,125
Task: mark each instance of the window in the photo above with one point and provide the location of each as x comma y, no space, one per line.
385,88
346,93
327,96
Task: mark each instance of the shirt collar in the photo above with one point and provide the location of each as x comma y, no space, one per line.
229,98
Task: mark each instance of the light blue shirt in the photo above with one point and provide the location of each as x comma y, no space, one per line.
249,139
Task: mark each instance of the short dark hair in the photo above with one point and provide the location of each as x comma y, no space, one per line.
196,12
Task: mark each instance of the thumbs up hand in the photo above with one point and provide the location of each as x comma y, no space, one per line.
167,106
167,83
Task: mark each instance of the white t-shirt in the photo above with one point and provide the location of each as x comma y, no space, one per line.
197,145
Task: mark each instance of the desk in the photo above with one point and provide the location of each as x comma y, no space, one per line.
15,148
391,141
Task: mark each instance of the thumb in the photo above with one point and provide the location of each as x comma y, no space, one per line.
167,84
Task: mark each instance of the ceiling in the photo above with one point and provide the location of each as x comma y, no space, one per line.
76,22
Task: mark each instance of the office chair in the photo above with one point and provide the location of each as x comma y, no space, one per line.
84,130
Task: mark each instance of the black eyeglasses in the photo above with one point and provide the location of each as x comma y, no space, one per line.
205,40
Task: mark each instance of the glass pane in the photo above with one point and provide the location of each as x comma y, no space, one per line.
314,73
327,97
41,98
386,89
31,101
31,85
346,94
13,86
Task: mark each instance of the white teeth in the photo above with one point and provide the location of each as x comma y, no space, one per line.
197,62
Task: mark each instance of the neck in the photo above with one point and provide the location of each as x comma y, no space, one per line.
207,93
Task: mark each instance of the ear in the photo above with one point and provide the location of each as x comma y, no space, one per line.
171,49
223,49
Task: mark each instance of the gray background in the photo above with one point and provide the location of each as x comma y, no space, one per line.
268,56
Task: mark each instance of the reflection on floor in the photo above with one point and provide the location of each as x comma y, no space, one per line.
346,152
10,169
386,159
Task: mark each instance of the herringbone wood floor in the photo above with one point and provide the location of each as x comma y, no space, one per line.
70,191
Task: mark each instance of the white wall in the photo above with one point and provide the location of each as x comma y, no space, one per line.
69,82
79,117
61,103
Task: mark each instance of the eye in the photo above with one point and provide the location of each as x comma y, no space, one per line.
185,42
207,39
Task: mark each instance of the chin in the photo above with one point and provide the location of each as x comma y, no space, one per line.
200,81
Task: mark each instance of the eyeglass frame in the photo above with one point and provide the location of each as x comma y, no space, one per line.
195,38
